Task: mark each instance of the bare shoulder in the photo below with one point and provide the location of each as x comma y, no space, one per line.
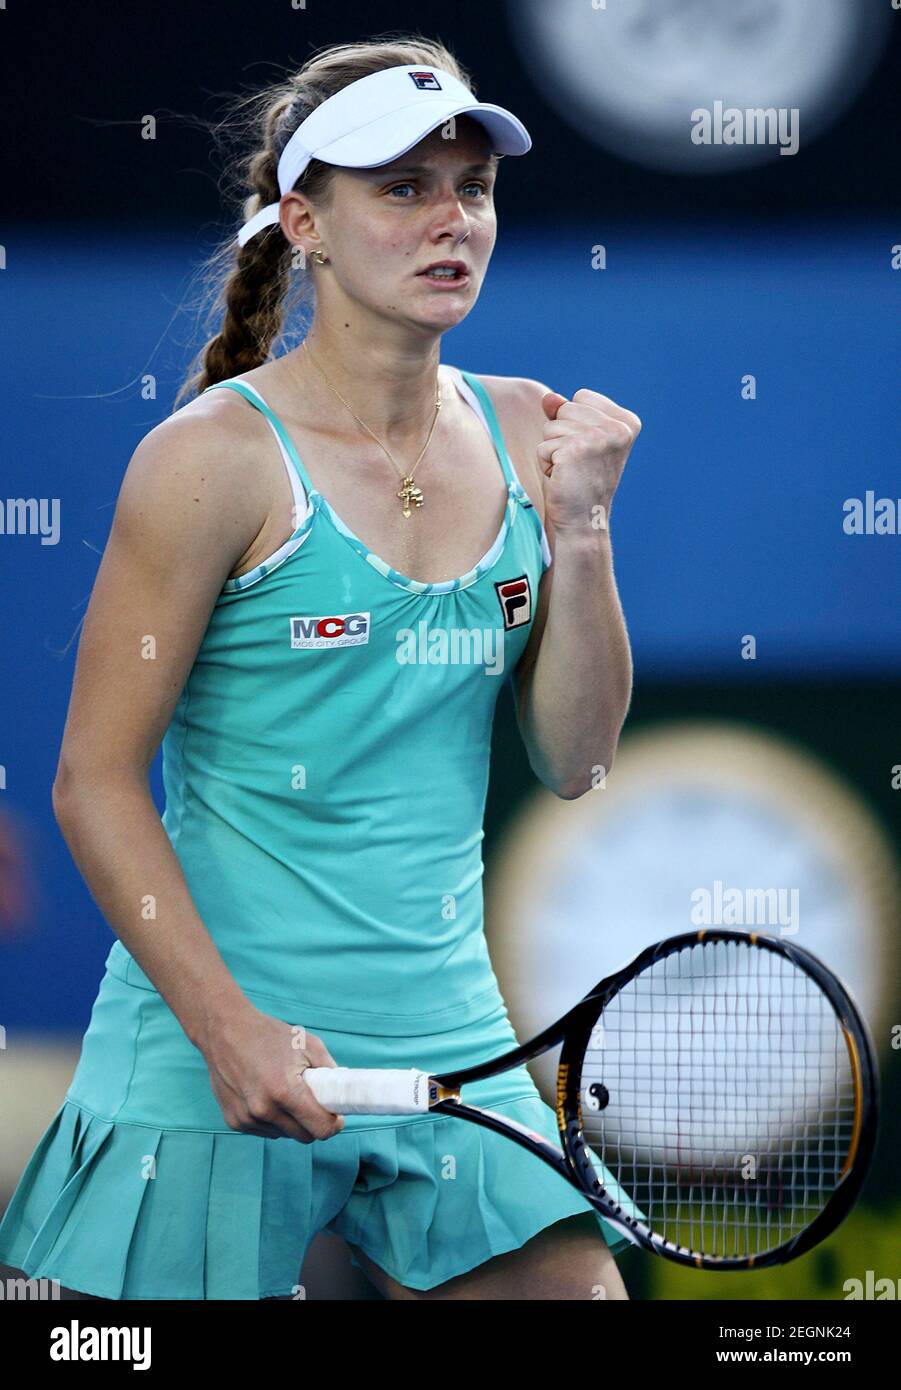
213,426
206,455
217,425
517,401
193,477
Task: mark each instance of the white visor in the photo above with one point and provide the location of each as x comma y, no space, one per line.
378,118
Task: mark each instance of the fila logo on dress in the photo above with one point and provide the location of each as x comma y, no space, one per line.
515,599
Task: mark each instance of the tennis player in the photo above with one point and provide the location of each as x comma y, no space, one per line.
320,569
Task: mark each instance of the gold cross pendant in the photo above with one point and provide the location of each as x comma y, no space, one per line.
409,492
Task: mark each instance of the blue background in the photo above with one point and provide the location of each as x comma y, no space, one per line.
728,520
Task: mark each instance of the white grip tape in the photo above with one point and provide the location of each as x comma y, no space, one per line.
368,1091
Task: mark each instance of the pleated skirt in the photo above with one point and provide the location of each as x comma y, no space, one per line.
139,1190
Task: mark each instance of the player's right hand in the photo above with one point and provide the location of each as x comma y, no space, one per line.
256,1066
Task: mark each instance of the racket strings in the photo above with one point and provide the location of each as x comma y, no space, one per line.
731,1104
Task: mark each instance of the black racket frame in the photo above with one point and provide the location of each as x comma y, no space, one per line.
573,1161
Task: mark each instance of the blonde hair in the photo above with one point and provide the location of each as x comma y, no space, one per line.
247,287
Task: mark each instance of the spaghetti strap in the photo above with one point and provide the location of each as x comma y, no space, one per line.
301,484
479,398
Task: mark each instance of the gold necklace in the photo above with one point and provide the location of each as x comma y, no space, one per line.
409,492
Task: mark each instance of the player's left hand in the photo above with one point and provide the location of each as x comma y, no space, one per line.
586,443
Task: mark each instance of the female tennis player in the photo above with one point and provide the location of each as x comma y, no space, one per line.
291,599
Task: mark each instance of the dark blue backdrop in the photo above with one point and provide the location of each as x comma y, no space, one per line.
728,522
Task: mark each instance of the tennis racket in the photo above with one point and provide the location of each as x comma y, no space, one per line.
716,1099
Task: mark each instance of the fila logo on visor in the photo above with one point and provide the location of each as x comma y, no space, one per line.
515,599
336,630
426,81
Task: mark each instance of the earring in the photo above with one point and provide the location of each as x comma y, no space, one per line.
318,256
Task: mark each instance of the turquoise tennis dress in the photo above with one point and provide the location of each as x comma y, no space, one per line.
325,773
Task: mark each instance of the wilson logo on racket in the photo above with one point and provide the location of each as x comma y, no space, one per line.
515,599
562,1084
333,630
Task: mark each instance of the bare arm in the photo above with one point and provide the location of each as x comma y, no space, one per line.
180,526
572,700
573,683
188,509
